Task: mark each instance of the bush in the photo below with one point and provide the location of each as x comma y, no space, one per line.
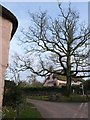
44,90
12,96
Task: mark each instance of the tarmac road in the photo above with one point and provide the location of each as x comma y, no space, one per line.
61,110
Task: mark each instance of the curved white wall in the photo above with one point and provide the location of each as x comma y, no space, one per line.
5,35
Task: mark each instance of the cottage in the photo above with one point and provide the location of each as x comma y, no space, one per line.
60,80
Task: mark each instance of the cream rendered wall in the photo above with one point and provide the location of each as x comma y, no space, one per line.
5,35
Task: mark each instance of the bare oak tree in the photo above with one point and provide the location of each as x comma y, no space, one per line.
62,39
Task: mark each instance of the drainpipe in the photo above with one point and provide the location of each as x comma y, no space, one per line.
8,26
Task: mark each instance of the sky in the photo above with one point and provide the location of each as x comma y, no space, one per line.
44,0
20,10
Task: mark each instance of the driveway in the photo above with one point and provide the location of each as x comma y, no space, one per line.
61,110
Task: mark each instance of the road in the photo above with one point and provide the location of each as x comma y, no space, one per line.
61,110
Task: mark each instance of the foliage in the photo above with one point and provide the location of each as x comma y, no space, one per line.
29,111
12,94
61,98
35,83
36,91
73,98
87,86
9,112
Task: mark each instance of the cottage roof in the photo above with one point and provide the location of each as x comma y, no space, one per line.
63,78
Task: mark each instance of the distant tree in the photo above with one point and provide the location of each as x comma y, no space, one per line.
34,82
13,69
87,86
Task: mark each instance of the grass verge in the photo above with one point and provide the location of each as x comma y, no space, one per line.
61,98
29,111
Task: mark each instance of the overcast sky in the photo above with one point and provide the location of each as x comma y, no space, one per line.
20,10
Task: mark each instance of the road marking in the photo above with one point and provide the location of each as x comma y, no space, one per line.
78,110
84,113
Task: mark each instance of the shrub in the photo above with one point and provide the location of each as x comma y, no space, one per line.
12,96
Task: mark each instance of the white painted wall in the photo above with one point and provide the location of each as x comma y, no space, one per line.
5,35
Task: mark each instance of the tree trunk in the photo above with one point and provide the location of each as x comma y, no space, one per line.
68,76
68,85
68,68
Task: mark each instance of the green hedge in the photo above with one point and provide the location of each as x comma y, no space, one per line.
12,96
44,90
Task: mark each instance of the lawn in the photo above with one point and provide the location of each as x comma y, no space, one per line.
29,111
61,98
9,112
